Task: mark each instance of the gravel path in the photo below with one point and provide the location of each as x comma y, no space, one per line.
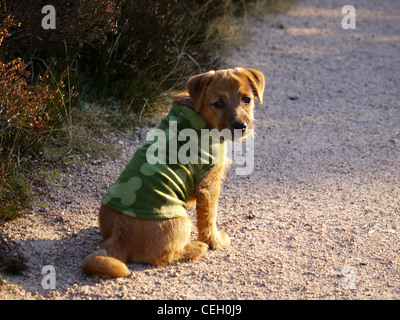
319,216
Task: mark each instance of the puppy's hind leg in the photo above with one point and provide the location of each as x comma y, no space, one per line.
194,250
173,242
191,251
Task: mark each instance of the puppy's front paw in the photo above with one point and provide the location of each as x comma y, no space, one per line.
218,240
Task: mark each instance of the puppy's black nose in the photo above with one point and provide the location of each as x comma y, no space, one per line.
240,125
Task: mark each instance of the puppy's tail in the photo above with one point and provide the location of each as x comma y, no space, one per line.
98,263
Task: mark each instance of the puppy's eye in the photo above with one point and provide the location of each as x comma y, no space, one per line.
218,105
246,100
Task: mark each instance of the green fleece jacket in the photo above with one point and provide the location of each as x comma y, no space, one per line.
150,190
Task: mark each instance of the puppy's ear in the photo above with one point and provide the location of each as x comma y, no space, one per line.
257,81
197,86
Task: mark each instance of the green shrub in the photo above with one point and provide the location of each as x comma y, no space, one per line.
15,195
158,43
23,107
23,121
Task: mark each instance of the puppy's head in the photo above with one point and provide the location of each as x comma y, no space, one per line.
225,98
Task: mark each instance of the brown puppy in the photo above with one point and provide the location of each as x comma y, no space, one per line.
225,100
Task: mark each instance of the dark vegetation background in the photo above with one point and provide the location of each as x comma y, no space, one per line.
107,63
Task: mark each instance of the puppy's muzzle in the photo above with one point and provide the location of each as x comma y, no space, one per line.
240,125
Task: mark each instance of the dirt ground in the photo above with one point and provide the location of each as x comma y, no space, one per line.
319,218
